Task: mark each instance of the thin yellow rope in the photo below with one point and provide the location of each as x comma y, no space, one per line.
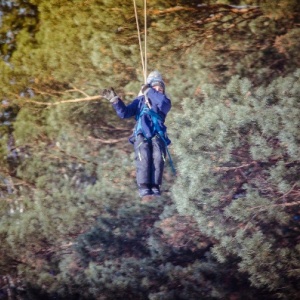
140,42
145,25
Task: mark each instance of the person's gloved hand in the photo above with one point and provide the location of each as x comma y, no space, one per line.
145,89
110,95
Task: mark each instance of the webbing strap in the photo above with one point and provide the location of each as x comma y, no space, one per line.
169,155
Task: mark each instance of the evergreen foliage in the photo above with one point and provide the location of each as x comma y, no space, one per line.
125,255
16,17
238,151
71,224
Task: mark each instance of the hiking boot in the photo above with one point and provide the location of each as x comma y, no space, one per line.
155,190
144,191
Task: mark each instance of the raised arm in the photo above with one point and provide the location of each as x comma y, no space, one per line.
126,111
122,110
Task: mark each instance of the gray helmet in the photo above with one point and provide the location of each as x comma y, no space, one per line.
155,78
154,75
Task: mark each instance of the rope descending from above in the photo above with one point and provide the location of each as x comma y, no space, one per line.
145,26
143,58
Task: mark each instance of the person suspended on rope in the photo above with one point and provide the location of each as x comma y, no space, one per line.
149,138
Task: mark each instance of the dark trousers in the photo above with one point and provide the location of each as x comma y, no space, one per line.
150,159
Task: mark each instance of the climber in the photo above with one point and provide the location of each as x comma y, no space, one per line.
149,138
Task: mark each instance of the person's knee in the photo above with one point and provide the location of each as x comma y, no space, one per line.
158,158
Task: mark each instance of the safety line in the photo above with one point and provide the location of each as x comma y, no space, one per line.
140,42
145,26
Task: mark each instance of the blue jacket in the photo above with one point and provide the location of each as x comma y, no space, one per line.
160,104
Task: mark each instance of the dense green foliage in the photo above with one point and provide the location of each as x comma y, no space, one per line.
241,178
71,223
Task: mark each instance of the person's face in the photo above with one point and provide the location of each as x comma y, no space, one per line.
159,88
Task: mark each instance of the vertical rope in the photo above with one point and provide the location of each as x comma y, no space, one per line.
140,42
145,56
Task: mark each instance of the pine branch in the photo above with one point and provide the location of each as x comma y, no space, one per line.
80,91
90,98
274,205
232,8
226,169
37,91
50,250
77,158
291,191
17,181
170,10
107,141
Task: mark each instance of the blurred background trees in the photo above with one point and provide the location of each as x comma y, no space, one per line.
72,225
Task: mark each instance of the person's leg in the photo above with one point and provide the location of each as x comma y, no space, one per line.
143,161
158,156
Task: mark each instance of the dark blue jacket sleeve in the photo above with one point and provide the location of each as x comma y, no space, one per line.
160,102
126,111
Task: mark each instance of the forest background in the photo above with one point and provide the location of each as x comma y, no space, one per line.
72,224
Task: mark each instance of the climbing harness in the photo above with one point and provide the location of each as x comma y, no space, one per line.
155,117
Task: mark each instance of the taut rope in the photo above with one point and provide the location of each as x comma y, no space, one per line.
143,58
